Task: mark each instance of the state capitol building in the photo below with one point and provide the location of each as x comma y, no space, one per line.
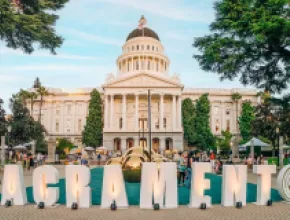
142,65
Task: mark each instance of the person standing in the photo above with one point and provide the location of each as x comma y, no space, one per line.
181,169
190,160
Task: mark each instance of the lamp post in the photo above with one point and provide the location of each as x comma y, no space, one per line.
149,123
277,134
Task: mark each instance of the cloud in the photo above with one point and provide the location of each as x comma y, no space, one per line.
166,8
53,69
9,78
60,55
90,37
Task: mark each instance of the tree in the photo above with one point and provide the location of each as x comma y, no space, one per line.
93,131
37,83
21,124
41,91
224,142
249,39
2,119
265,122
25,24
64,145
236,97
31,96
188,114
203,137
24,128
246,118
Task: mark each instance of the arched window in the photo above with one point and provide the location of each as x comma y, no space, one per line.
165,66
156,48
157,66
128,66
148,47
148,65
152,48
137,65
137,47
133,48
142,47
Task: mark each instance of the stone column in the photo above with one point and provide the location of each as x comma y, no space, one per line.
3,150
112,112
132,64
73,116
106,110
137,112
222,127
124,114
173,112
136,141
51,144
162,144
123,144
179,117
161,111
33,148
281,154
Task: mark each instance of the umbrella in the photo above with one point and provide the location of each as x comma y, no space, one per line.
89,149
19,147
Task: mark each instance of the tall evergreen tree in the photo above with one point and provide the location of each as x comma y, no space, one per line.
246,118
249,39
24,128
188,114
203,138
2,119
37,83
93,131
21,123
26,23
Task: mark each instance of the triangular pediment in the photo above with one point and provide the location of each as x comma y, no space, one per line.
143,80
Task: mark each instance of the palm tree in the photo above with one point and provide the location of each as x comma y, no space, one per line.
235,98
23,95
32,96
41,91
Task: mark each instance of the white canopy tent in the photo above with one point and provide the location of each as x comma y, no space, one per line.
254,142
19,147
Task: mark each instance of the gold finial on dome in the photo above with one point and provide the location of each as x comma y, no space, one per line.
142,22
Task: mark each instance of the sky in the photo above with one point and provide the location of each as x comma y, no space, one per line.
94,32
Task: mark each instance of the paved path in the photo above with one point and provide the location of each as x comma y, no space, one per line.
276,212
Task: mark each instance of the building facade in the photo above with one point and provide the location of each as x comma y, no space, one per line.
142,66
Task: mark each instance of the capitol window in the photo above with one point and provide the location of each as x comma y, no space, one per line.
156,48
120,123
217,125
142,47
68,109
152,48
228,125
133,48
228,111
157,67
148,66
137,65
57,110
57,125
80,125
137,47
164,122
148,47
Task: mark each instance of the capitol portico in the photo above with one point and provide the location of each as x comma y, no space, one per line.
142,66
